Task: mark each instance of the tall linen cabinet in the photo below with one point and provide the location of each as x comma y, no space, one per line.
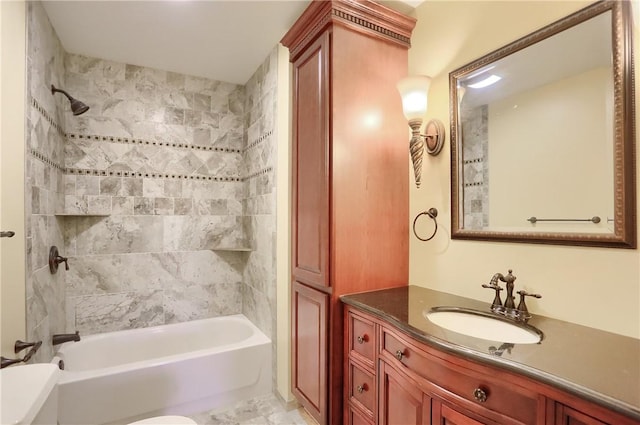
350,181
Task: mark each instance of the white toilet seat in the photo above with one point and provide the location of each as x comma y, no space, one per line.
165,420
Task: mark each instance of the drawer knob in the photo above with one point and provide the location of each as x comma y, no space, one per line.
362,388
362,339
399,355
480,395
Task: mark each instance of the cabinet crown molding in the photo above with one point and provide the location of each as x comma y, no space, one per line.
363,16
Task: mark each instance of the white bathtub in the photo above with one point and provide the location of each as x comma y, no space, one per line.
178,369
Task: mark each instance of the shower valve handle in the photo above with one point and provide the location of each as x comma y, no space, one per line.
55,259
60,259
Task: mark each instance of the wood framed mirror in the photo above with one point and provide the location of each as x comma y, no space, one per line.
543,135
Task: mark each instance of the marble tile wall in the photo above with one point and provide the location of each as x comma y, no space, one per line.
158,161
259,158
150,194
476,171
45,292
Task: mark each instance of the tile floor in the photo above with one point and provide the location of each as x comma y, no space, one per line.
265,410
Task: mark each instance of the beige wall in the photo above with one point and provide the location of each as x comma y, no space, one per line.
12,150
283,225
595,287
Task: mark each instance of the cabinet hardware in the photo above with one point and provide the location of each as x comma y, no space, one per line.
399,355
362,339
362,388
7,234
480,395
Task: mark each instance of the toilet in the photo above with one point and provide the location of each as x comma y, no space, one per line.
30,397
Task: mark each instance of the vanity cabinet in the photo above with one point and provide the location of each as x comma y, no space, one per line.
350,188
419,384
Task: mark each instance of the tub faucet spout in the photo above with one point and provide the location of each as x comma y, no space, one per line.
8,362
61,338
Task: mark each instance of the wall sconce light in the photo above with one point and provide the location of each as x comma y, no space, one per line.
413,91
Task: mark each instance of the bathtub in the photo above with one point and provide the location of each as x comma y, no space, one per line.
176,369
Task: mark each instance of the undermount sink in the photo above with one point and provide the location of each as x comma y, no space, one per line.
484,325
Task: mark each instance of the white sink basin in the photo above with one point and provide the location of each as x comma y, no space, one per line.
483,325
24,390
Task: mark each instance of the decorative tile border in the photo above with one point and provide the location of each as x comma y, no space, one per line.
46,116
91,172
474,184
42,157
258,173
127,140
472,161
258,141
116,139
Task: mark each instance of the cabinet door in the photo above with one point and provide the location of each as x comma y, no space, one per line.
444,415
401,401
568,416
309,349
310,218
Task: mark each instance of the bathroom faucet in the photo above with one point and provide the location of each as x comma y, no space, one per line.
61,338
509,309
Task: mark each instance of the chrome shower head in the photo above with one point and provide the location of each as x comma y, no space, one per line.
77,107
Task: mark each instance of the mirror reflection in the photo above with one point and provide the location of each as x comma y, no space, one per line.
535,140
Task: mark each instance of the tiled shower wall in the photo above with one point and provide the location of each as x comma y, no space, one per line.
259,205
150,194
160,154
44,180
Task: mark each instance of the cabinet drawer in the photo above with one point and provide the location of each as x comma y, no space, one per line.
474,389
362,339
362,388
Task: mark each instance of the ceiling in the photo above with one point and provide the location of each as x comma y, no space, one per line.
224,40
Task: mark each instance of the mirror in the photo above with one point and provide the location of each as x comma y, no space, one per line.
542,136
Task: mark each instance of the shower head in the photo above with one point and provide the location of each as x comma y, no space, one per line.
77,107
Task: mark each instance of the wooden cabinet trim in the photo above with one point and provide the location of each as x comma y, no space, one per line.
317,272
315,398
363,16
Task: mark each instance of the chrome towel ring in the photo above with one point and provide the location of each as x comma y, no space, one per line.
432,213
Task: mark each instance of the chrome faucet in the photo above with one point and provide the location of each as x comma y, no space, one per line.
509,309
61,338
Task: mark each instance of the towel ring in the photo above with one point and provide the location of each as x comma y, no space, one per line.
433,213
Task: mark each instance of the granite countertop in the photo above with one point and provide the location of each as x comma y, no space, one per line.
599,366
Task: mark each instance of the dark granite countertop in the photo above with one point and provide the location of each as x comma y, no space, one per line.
600,366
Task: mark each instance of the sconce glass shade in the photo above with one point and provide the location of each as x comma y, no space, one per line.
413,91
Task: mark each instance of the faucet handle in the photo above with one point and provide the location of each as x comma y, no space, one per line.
497,302
522,307
61,259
